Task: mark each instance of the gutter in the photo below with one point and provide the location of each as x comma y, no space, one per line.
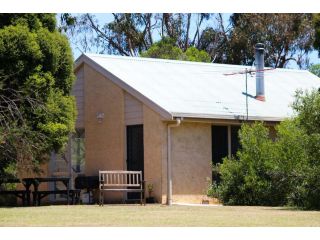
169,172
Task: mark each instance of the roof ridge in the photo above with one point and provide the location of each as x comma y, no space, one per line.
170,61
164,60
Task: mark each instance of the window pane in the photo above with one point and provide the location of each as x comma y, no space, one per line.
219,143
235,143
78,152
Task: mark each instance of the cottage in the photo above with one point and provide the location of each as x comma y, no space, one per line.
171,119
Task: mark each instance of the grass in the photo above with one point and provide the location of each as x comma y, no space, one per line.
156,215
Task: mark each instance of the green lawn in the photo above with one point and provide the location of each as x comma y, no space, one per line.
156,215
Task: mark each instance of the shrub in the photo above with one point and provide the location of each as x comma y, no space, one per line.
250,179
284,171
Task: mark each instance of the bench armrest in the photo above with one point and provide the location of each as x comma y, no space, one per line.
101,184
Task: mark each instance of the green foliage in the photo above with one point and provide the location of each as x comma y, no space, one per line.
291,159
213,190
290,147
22,150
36,76
195,55
57,119
248,181
307,190
316,24
307,107
166,49
34,21
286,37
315,69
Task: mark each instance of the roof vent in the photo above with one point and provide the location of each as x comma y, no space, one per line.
259,62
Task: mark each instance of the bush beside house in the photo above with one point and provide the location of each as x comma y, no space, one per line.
285,171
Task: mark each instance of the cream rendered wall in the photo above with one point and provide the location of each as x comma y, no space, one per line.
104,142
191,161
133,111
189,141
154,138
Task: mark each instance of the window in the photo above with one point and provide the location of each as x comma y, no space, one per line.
71,162
225,142
235,143
219,143
78,151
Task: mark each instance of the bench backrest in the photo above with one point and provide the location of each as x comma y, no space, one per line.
120,179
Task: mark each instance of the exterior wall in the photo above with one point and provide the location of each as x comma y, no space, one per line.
104,142
133,113
191,161
154,140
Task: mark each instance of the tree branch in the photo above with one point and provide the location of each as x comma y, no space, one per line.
104,36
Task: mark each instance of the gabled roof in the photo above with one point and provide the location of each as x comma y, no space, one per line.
202,90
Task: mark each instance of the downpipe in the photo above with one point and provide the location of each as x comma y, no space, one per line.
169,172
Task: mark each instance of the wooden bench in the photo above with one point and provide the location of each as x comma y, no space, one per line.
22,194
121,181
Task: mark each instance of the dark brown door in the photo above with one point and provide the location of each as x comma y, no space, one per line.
135,159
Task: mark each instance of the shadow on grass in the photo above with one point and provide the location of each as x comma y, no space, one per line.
289,208
275,208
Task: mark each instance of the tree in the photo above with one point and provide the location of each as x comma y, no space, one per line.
307,191
286,37
316,24
290,161
131,34
166,49
37,112
246,180
214,40
195,55
127,34
315,69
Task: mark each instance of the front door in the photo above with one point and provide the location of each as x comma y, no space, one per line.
135,160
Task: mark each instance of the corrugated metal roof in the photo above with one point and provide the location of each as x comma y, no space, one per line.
202,90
